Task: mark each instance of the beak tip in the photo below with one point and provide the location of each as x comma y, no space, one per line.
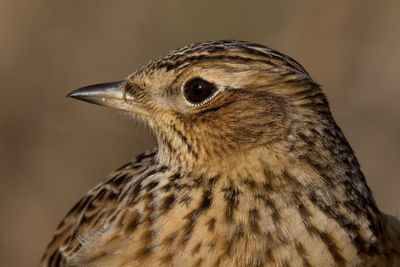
72,94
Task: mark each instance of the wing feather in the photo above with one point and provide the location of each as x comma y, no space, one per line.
93,211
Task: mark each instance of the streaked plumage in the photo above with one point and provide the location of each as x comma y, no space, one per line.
250,170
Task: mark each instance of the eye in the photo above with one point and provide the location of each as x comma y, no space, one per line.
197,90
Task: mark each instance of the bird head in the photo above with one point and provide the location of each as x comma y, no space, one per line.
210,101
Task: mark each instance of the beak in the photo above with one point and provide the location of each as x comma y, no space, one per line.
111,94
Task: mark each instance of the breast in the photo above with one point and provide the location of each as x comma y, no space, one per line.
226,225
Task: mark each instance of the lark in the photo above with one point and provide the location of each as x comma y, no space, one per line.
250,170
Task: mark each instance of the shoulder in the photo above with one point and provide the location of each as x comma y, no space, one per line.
93,211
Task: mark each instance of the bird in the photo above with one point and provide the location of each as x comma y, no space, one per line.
250,169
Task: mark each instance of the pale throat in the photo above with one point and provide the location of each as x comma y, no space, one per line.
276,165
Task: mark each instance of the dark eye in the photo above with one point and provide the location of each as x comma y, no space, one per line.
198,90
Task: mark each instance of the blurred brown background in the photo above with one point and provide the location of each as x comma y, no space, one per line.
53,149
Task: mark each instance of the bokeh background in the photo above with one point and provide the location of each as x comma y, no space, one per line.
53,149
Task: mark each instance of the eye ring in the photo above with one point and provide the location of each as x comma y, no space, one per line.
198,91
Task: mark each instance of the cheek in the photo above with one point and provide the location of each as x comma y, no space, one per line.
259,122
